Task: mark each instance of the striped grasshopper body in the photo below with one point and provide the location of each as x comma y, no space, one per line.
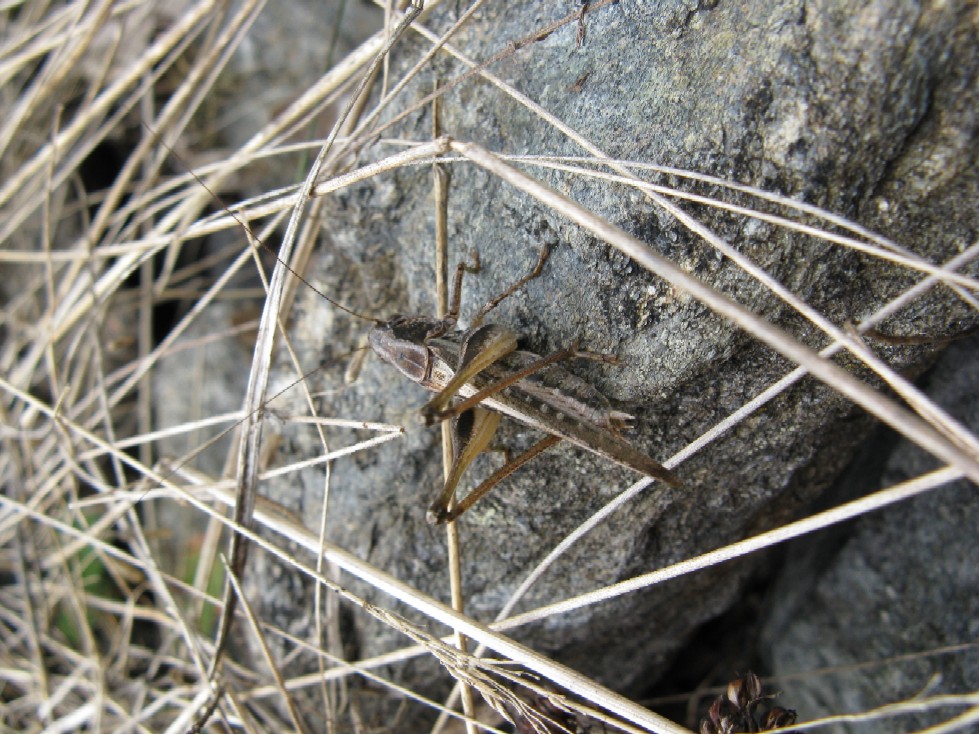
484,364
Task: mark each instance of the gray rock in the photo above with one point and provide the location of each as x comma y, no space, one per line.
870,113
888,609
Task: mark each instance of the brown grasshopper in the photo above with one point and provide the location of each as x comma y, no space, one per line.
484,366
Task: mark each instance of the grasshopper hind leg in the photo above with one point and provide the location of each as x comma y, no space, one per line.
472,433
440,513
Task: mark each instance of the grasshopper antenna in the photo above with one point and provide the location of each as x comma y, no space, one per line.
174,468
251,234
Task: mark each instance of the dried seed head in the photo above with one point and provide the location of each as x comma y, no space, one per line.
735,692
779,717
734,712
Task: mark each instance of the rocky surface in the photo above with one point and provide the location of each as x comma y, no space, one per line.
870,113
888,607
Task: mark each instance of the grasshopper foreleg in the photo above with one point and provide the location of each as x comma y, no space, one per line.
545,252
484,345
453,314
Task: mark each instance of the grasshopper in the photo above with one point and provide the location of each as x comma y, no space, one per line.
484,366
